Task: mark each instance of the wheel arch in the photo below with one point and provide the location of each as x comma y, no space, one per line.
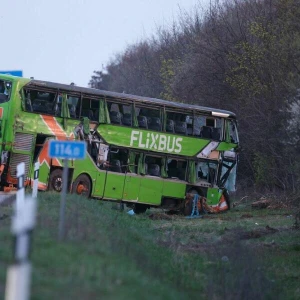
89,177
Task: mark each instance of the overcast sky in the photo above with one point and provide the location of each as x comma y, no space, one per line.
66,40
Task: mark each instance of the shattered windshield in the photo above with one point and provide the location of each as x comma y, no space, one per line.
5,90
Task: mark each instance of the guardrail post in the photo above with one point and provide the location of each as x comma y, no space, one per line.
23,222
21,188
61,232
35,179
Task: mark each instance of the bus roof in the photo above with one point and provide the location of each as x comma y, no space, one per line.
123,96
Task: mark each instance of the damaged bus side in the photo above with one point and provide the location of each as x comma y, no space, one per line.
141,151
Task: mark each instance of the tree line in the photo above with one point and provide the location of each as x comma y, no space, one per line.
239,55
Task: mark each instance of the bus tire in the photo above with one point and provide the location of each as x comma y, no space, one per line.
188,205
55,180
139,208
82,186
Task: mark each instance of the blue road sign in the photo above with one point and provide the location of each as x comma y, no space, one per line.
67,149
14,73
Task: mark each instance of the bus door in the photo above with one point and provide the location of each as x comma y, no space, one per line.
151,185
151,189
132,187
115,174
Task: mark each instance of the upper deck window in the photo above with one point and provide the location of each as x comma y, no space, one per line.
120,114
40,101
74,106
208,128
5,91
179,123
90,108
148,118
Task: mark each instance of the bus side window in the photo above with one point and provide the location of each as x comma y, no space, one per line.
120,114
153,165
199,122
176,169
95,108
179,123
206,171
118,160
74,105
115,115
149,118
86,110
210,128
40,101
126,111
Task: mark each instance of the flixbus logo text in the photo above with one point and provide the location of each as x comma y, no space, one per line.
155,141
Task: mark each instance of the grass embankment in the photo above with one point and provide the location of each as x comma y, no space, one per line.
107,254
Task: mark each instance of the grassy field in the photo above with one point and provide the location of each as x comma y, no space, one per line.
108,254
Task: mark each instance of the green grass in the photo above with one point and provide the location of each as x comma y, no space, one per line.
107,254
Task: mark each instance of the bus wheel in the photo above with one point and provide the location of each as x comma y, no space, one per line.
188,205
139,208
82,186
55,180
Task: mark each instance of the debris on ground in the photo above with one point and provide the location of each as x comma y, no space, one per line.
254,234
246,216
261,203
160,216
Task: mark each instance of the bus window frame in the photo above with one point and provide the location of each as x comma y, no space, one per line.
216,177
160,109
121,102
177,159
187,113
56,92
77,95
161,157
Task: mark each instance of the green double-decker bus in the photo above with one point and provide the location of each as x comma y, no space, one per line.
142,151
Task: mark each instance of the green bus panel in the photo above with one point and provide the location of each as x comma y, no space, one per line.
213,196
87,166
174,189
151,190
114,185
132,187
98,188
43,173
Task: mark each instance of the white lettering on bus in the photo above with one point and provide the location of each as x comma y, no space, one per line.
178,150
133,136
162,145
156,141
141,145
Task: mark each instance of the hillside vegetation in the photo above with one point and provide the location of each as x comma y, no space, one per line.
240,55
108,254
